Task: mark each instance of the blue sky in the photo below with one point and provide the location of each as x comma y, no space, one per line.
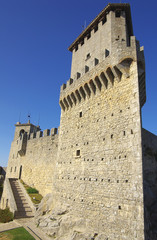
35,62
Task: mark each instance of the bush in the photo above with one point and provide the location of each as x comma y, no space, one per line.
32,190
6,215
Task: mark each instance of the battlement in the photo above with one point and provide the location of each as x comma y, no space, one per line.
101,19
103,75
42,134
112,25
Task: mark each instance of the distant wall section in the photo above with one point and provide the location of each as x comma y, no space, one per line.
36,165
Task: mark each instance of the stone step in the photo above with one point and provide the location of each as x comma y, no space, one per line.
23,209
23,214
19,195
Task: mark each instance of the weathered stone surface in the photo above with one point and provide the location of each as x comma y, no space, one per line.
101,177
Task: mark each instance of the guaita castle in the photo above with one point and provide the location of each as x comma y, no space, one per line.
96,161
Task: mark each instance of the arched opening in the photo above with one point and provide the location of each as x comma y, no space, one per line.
22,131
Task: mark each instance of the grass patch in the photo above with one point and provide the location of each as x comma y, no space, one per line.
36,197
33,193
32,190
6,215
16,234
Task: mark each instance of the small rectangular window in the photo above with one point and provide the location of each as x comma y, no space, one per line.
107,53
86,69
80,114
118,14
96,61
78,153
88,56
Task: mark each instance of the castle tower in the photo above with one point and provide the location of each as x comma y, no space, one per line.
18,148
99,168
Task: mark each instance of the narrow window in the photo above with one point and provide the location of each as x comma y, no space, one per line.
80,114
118,14
107,52
78,153
96,61
86,69
88,56
78,75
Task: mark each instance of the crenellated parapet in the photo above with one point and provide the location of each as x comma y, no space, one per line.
42,134
104,75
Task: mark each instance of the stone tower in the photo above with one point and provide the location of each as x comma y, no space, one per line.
99,168
19,147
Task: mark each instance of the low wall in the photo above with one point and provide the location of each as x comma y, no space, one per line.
7,199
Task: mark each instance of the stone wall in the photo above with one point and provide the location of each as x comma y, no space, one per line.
36,166
99,170
149,142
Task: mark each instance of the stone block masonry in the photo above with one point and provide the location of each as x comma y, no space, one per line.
99,168
32,155
100,159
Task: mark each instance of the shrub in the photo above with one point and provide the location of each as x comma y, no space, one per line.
32,190
6,215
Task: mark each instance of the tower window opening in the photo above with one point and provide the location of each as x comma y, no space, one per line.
86,69
118,13
107,52
78,153
88,56
96,61
80,114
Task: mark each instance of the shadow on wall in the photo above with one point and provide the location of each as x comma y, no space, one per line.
2,174
150,184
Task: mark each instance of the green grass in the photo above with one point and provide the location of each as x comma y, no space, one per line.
6,215
36,197
32,190
16,234
33,193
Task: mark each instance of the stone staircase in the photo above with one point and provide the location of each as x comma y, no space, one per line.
23,209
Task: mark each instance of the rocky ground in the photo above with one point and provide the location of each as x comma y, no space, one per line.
60,224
